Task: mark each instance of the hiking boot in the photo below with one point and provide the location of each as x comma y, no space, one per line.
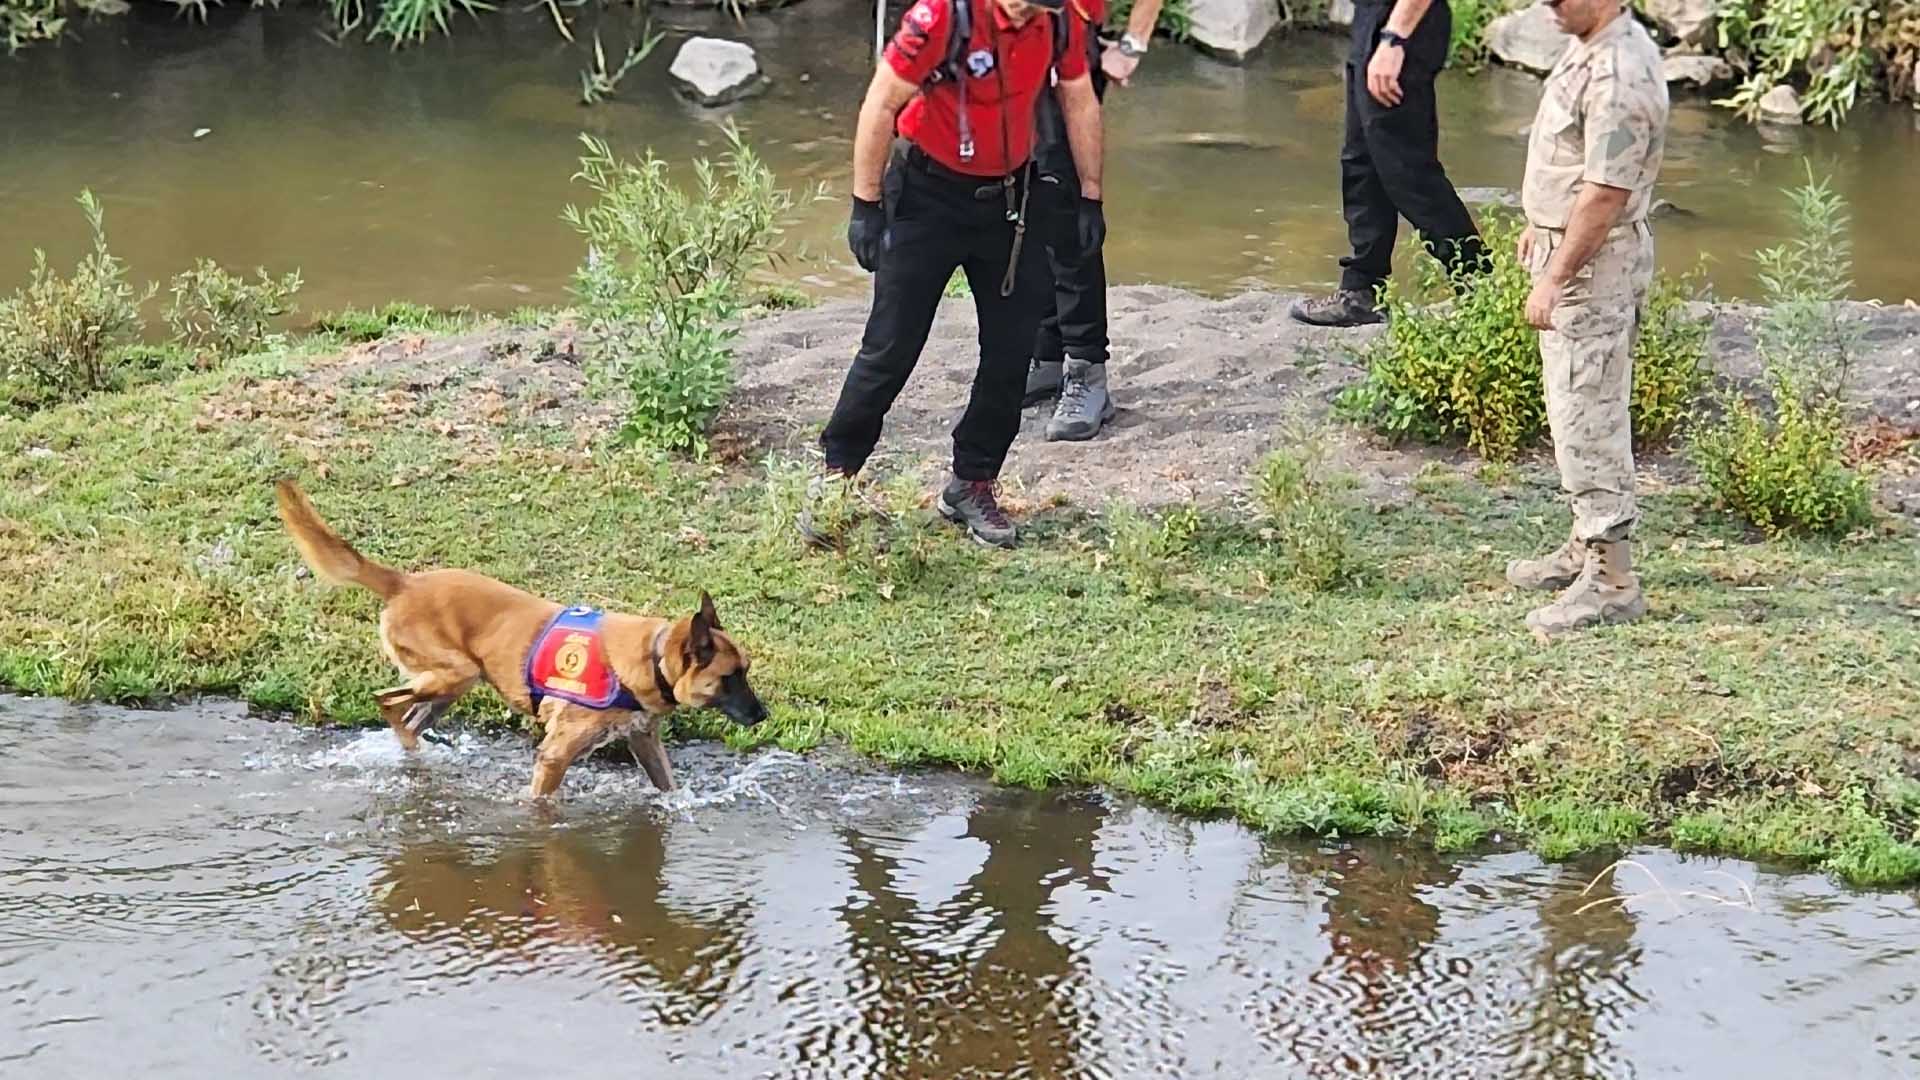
1607,591
1043,381
1552,572
1084,403
972,503
831,505
1348,307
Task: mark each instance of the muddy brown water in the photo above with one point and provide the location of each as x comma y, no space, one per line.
194,892
438,173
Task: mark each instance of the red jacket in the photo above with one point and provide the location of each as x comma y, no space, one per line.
997,57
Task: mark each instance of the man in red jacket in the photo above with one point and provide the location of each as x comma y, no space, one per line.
960,84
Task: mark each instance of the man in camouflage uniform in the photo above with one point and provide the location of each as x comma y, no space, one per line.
1592,158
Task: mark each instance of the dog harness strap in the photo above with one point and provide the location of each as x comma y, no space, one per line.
569,661
660,682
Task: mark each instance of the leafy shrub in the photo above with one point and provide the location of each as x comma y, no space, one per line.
1468,366
23,22
224,314
1786,472
664,276
1833,46
1175,21
1467,47
60,337
1309,514
1668,357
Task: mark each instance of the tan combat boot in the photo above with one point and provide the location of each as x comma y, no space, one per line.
1554,571
1607,591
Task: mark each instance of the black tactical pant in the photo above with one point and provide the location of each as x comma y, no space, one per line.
939,221
1390,162
1075,323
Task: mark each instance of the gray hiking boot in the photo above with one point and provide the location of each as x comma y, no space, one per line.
1348,307
1084,403
1043,381
1553,571
1607,591
972,503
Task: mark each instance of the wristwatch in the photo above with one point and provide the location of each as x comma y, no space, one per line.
1132,46
1388,37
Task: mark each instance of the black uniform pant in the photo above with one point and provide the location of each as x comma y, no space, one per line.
939,221
1390,162
1075,322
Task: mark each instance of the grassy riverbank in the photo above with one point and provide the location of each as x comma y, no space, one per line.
1766,708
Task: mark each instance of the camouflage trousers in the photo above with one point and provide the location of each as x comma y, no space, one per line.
1587,366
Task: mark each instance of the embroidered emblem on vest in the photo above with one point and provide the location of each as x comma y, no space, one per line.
569,661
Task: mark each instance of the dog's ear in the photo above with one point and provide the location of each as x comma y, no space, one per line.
700,634
711,616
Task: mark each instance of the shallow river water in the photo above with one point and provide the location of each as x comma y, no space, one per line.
438,173
195,892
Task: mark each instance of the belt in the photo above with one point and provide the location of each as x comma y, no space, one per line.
983,188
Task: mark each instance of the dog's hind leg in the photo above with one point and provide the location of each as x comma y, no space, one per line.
412,709
651,755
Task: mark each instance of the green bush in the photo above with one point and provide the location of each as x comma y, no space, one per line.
1835,48
1785,471
61,337
1467,47
664,278
26,21
1308,513
220,313
1669,356
1468,366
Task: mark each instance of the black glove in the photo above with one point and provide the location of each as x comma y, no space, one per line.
867,233
1092,226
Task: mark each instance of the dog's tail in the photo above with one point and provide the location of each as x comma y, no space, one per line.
331,557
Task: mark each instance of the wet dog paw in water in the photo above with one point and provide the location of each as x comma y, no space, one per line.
590,676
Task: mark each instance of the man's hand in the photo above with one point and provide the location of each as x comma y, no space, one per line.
1118,65
867,233
1523,247
1092,226
1383,74
1541,302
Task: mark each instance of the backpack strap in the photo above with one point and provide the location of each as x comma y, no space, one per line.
959,36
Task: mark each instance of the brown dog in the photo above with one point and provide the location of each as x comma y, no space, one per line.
589,677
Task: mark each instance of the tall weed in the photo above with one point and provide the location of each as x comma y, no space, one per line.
62,337
664,279
1309,512
1785,471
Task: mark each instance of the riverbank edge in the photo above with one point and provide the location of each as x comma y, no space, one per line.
1859,840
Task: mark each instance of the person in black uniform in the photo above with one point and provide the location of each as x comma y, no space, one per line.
1070,353
959,83
1390,162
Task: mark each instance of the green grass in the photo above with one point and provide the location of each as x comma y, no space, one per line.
1765,708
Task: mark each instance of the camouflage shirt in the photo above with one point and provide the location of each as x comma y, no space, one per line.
1602,119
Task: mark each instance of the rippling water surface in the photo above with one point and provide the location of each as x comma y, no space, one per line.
196,893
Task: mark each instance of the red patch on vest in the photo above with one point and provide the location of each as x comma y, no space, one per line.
571,663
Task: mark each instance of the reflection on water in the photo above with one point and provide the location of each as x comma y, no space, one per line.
196,893
438,173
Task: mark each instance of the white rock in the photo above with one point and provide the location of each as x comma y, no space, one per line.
1340,13
1232,29
1780,105
1528,38
714,71
1699,71
1688,20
